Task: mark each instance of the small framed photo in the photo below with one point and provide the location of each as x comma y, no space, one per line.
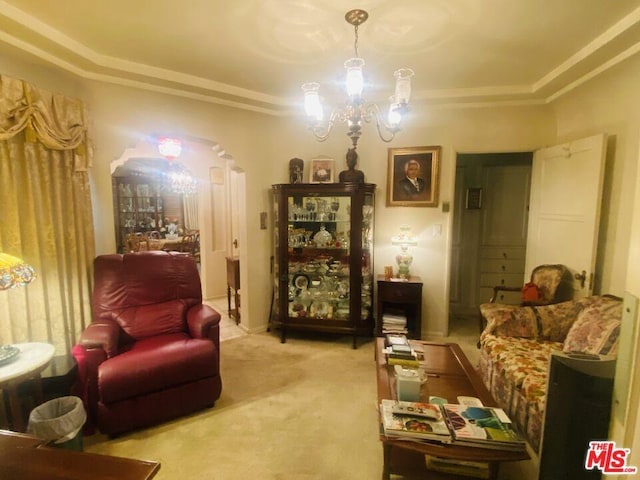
322,170
413,177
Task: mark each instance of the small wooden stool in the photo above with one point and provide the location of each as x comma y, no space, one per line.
233,282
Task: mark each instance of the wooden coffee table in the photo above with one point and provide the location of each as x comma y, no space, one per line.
449,375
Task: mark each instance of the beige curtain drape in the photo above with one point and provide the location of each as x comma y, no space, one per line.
45,214
190,210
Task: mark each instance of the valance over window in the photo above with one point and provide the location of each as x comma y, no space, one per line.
45,214
58,122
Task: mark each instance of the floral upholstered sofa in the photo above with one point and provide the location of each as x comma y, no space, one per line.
516,346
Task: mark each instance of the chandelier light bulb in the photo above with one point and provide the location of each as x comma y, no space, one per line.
403,84
356,110
355,80
395,114
169,147
312,105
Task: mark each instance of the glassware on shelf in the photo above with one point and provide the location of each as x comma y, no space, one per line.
322,238
342,241
321,208
310,205
335,206
343,289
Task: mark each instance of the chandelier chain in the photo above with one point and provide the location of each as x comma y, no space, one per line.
355,43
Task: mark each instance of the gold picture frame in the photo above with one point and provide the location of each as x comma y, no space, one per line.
322,170
413,177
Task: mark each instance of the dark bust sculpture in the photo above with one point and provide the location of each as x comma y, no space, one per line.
296,166
351,175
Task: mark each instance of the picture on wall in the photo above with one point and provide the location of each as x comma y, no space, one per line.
413,180
322,170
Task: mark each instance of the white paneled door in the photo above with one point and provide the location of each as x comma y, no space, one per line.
564,216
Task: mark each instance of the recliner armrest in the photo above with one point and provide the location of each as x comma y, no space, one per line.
104,335
203,322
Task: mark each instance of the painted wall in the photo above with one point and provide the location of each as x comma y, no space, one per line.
470,130
121,117
609,103
262,146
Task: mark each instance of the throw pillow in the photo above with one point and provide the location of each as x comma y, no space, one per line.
596,330
531,293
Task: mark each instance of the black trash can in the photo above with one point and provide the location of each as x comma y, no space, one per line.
59,422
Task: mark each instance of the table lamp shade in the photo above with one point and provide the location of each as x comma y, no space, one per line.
14,272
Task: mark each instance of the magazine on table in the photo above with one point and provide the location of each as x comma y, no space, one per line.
485,427
414,421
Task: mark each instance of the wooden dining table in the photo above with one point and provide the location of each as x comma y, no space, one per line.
164,243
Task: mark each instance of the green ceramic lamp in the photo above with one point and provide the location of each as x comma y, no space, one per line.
404,239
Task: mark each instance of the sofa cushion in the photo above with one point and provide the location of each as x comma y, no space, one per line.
555,320
155,363
596,329
156,319
519,358
509,320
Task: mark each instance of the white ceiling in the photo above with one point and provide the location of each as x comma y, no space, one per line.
255,54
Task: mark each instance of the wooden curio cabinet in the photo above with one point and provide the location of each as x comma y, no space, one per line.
323,255
138,206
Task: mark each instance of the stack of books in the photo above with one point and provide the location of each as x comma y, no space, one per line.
398,351
472,426
394,323
484,427
414,421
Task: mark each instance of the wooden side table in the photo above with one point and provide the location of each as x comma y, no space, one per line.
233,282
404,297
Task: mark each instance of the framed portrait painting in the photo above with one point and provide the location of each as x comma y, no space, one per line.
322,170
413,177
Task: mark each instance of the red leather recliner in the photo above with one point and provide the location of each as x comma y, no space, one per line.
152,352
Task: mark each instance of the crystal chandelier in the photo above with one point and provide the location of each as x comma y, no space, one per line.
356,110
180,181
177,178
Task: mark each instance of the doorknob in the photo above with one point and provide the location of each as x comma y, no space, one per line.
235,242
582,277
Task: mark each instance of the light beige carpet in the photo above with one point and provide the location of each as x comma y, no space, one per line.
302,410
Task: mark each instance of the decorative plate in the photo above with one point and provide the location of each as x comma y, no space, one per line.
8,353
301,281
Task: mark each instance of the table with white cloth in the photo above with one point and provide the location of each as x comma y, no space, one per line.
164,243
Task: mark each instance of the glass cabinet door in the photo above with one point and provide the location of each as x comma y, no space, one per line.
275,305
367,256
323,254
318,231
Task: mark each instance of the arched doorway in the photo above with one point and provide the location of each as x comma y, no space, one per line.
207,208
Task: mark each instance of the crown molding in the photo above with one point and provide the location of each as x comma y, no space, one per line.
49,45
